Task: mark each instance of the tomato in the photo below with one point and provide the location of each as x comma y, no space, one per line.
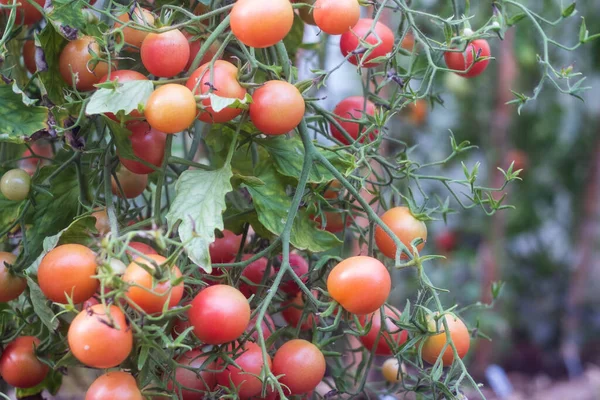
463,61
29,56
100,337
132,185
114,385
224,249
408,42
76,59
418,112
171,108
519,157
302,365
11,285
224,81
277,107
26,12
30,163
261,24
392,370
391,334
19,366
383,40
68,270
267,325
102,222
148,144
254,272
446,241
306,13
360,284
141,247
135,37
433,345
219,314
250,363
15,184
200,378
300,268
195,45
336,16
405,226
122,76
165,54
293,310
354,109
334,221
148,292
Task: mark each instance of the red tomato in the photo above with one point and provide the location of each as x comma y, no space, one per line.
251,363
26,12
68,270
224,249
75,60
334,221
418,112
19,366
360,284
392,333
300,267
267,325
383,40
302,365
195,45
191,383
11,286
135,37
432,348
519,157
446,241
219,314
122,76
146,291
292,313
463,61
336,16
353,108
261,24
114,385
40,148
277,107
225,84
254,272
171,108
100,337
141,247
165,54
29,56
148,144
405,226
132,185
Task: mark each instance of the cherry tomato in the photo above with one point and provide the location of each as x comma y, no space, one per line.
224,83
122,76
100,337
29,56
408,42
392,333
11,285
19,366
15,184
251,363
334,221
354,109
171,108
219,314
520,159
465,61
336,16
360,284
114,385
432,348
267,325
148,292
417,112
446,241
392,370
134,37
302,365
26,12
201,378
165,54
132,185
102,222
261,24
300,267
141,247
224,249
195,45
76,59
68,270
383,40
293,310
30,163
277,108
405,226
254,272
148,144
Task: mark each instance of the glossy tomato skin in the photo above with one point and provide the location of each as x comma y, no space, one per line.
224,249
122,76
251,363
225,83
350,42
219,314
15,184
69,269
405,226
353,108
336,16
75,57
302,363
19,366
261,24
267,325
293,310
116,385
360,284
433,345
148,144
199,379
392,332
277,108
392,370
171,108
463,61
141,247
26,13
11,286
148,294
300,267
100,337
132,185
165,54
135,37
29,56
254,272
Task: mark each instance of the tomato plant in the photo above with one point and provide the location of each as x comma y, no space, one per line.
380,336
293,313
188,382
148,144
254,273
349,110
375,33
244,376
20,366
472,61
122,76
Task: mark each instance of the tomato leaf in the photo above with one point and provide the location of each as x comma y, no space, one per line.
218,103
126,97
68,14
51,383
199,204
40,305
18,118
121,136
51,80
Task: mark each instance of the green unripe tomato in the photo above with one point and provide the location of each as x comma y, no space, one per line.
15,184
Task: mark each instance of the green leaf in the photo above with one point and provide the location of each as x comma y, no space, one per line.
126,97
218,103
121,136
293,40
51,383
218,141
515,19
18,119
52,83
9,210
67,13
40,305
199,204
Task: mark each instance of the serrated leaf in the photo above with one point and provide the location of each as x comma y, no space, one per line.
126,97
218,103
18,121
52,83
199,204
67,13
40,305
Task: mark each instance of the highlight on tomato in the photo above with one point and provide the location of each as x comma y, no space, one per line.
350,111
277,107
171,108
244,376
261,24
405,226
382,42
472,61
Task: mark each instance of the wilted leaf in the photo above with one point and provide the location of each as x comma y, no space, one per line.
18,120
